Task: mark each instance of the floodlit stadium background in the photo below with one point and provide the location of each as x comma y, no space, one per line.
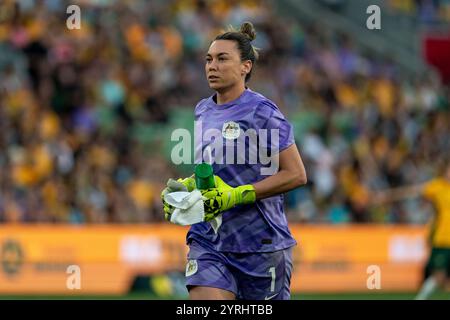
86,118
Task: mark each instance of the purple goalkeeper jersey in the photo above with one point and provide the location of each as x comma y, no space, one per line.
241,139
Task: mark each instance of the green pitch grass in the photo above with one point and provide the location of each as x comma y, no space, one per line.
305,296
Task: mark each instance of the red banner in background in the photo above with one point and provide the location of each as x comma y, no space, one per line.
437,53
35,259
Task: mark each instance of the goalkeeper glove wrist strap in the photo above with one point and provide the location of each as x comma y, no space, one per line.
245,194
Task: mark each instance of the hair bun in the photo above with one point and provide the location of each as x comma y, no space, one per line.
248,30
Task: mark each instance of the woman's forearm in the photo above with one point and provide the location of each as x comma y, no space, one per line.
281,182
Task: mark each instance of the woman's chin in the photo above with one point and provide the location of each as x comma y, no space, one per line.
215,85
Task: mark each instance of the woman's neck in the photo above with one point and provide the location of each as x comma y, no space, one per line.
230,94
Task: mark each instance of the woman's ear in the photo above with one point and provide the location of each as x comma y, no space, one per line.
246,67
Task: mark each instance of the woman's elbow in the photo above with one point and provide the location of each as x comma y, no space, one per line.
300,178
303,180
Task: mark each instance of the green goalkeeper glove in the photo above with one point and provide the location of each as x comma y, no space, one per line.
224,197
187,184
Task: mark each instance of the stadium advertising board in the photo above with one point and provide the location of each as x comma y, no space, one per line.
36,258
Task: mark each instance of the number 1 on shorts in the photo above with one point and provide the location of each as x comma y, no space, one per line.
272,283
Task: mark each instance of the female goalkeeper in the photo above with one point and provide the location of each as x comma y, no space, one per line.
248,254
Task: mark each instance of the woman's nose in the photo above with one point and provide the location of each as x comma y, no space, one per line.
212,65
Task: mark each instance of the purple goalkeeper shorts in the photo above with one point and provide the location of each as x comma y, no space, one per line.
250,276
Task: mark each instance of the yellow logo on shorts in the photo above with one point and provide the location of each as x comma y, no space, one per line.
191,267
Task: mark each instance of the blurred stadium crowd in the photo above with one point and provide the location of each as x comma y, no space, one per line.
425,11
79,110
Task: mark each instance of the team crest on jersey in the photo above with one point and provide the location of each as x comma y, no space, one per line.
191,267
230,130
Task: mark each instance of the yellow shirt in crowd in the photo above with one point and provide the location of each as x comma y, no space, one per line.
438,192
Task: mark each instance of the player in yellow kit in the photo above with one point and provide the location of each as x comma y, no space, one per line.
437,191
